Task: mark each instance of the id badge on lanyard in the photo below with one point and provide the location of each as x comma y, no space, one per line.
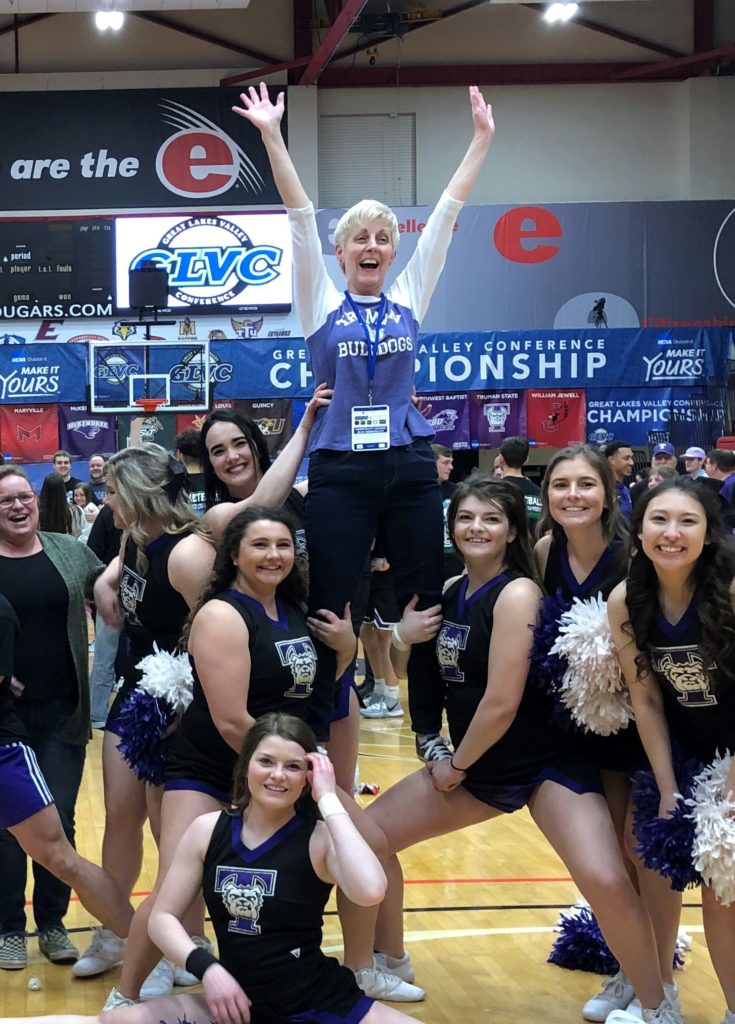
370,423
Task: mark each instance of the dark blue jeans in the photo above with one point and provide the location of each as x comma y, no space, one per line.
350,494
62,765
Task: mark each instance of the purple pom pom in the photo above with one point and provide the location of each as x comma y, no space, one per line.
143,720
665,844
580,946
547,670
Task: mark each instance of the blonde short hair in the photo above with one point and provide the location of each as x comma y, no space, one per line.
363,212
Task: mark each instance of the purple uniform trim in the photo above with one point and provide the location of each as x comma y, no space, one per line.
342,704
23,792
354,1016
197,786
508,798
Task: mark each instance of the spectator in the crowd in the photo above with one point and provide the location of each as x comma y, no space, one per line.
97,479
720,466
693,459
56,515
188,449
664,454
45,577
83,499
619,455
62,466
444,463
657,476
511,460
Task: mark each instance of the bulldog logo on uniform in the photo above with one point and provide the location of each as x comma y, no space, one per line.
132,588
300,656
686,673
451,640
243,892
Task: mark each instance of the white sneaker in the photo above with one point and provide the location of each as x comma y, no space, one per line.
388,987
160,981
105,951
615,995
181,975
375,709
402,968
116,1000
671,991
393,708
663,1014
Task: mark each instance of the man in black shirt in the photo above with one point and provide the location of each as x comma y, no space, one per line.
62,466
511,460
188,448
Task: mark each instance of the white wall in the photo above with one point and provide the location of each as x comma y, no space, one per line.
570,143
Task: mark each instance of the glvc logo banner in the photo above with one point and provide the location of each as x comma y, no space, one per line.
118,149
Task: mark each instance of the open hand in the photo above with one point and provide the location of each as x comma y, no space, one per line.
258,109
418,627
320,776
225,998
337,633
482,113
320,399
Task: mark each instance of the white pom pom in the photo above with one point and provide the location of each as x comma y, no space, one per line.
168,676
713,814
34,984
593,688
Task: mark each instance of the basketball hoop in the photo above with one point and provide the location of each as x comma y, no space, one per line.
150,405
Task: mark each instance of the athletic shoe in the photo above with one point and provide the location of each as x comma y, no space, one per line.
729,1017
116,1000
160,981
375,709
105,951
663,1014
386,707
615,995
402,968
433,747
388,987
182,976
671,991
13,953
57,947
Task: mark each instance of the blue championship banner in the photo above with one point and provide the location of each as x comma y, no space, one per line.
649,359
632,413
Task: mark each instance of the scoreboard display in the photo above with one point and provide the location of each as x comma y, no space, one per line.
56,267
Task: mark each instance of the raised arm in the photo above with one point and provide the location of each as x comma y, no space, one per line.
276,484
338,851
483,124
648,704
266,116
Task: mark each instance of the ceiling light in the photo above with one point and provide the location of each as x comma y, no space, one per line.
560,12
109,19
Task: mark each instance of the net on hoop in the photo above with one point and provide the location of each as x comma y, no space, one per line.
150,405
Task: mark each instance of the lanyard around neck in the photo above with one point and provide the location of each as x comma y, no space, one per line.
372,339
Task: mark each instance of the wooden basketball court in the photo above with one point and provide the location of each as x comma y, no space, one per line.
480,909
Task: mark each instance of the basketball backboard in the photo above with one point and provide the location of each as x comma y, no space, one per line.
176,373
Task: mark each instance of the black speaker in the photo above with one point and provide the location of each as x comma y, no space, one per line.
148,287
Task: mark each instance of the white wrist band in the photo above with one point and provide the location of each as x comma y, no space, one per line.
398,641
330,804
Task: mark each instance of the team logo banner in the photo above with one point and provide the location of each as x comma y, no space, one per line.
449,418
555,418
28,433
273,416
495,415
83,433
117,149
632,413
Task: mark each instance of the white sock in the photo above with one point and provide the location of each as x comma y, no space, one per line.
392,692
379,689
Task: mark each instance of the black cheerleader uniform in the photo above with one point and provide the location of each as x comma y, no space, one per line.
699,699
282,671
623,750
532,750
266,907
154,612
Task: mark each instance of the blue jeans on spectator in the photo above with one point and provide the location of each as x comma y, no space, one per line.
103,676
62,765
350,493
